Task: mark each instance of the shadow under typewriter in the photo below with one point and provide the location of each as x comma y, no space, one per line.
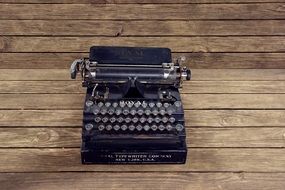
133,111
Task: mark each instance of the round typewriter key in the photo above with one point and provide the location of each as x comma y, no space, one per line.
157,119
155,111
97,119
88,126
161,127
116,127
171,119
111,111
151,104
122,104
100,104
146,127
108,127
103,110
89,103
166,105
120,119
139,127
128,120
162,111
115,104
164,119
150,119
126,111
135,119
142,119
107,104
137,104
132,127
112,119
179,127
124,127
144,104
101,127
118,111
130,104
147,111
170,110
133,111
140,112
105,119
169,127
96,109
154,127
158,104
178,104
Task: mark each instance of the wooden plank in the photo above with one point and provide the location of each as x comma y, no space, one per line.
141,28
233,60
192,87
199,159
139,181
196,137
190,101
193,60
197,74
142,11
194,118
137,1
179,44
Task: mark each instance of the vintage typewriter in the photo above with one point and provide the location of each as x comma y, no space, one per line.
132,111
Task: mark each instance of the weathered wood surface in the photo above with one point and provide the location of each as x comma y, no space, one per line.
234,104
197,74
198,159
143,11
194,118
141,28
193,60
179,44
196,137
191,87
139,1
140,181
190,101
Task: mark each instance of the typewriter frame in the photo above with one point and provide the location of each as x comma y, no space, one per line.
156,82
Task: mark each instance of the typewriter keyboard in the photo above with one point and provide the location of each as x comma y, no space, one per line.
135,116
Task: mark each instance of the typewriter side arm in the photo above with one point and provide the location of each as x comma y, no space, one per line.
75,67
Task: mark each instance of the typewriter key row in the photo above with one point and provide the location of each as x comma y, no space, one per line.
101,127
148,109
135,119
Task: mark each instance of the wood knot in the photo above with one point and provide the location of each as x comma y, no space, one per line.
4,42
120,31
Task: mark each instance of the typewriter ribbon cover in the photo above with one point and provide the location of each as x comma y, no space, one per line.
132,111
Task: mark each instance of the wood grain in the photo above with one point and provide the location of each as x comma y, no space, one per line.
193,60
176,44
192,87
141,28
143,11
190,101
198,159
194,118
197,74
196,137
140,181
137,1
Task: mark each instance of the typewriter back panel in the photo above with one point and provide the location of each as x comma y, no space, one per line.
130,55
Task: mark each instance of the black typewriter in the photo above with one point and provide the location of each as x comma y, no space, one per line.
132,111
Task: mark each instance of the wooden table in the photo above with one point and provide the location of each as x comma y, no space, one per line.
234,104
